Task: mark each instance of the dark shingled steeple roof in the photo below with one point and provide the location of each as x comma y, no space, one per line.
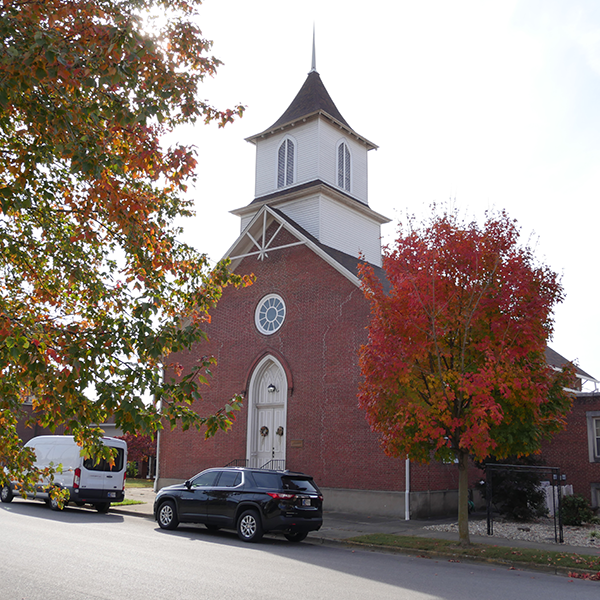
311,98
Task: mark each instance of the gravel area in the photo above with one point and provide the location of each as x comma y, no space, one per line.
534,532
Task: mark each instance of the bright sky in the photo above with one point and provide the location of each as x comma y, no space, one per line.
490,104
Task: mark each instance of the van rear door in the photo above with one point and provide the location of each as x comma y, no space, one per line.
102,477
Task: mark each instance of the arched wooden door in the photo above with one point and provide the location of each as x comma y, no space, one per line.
267,415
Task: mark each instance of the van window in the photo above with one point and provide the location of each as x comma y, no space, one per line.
91,465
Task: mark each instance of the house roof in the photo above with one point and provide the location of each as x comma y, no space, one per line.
554,359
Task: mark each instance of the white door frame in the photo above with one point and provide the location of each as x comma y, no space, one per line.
269,371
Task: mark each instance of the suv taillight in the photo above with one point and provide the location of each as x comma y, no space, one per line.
124,479
76,477
278,496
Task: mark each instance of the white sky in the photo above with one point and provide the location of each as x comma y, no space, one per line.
493,104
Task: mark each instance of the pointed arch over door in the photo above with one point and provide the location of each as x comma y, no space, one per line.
267,415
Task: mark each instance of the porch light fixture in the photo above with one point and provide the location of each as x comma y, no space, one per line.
271,389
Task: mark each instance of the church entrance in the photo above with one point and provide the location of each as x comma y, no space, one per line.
267,405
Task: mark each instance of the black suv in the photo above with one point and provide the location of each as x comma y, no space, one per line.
251,501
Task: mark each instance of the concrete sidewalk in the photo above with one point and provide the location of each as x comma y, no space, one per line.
338,527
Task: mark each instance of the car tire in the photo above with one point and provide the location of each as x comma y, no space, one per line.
6,494
296,536
167,515
249,527
102,507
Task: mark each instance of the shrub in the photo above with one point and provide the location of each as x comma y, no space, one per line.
575,510
517,495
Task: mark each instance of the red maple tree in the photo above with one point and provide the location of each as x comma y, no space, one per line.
454,366
139,447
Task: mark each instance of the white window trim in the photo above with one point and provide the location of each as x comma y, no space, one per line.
257,314
592,417
343,141
295,166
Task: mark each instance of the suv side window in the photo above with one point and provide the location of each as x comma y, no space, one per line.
206,479
298,484
269,481
230,479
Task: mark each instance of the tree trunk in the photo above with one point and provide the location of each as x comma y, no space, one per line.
463,499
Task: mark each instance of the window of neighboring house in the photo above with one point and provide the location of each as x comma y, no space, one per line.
285,163
343,164
593,431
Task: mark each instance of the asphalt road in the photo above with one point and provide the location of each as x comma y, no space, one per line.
82,555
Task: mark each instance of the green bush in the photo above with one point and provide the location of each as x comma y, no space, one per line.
516,495
576,510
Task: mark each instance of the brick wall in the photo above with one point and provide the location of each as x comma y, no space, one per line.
318,345
569,448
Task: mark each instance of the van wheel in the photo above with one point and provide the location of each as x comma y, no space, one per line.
296,536
6,494
102,507
54,505
249,527
167,515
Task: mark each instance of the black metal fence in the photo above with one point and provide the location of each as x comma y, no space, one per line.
555,482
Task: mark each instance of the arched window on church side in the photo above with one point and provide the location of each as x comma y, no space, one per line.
285,163
343,160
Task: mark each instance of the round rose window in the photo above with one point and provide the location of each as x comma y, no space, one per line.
270,314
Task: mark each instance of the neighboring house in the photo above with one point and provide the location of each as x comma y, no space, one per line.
28,431
289,343
576,449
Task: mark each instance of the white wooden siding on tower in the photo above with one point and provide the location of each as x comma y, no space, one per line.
316,143
306,212
305,137
330,137
349,231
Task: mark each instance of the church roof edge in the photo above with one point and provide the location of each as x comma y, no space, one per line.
312,99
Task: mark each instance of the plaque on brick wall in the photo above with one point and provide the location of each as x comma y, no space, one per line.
296,443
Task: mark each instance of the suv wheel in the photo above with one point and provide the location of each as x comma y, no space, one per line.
6,494
249,527
167,515
295,536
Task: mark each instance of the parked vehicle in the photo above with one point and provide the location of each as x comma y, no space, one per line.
250,501
87,481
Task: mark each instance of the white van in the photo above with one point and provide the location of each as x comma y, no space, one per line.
88,482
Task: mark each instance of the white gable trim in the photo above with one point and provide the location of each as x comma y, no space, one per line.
261,247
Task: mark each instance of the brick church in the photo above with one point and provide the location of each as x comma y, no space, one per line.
289,342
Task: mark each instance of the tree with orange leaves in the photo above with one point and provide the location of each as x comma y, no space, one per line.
454,366
93,279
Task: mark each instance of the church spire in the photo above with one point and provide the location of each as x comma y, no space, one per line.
314,54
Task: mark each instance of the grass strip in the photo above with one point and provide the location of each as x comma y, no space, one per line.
139,483
127,502
524,556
